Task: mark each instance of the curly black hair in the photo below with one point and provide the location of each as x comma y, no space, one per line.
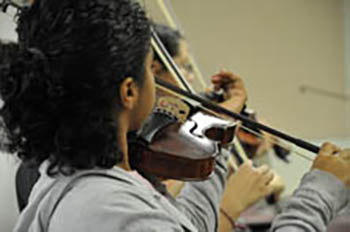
60,83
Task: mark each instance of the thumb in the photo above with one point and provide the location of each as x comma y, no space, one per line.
328,149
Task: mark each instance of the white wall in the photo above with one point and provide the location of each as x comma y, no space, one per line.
8,165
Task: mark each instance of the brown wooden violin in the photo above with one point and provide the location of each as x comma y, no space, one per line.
178,142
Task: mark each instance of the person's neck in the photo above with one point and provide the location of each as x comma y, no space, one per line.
123,145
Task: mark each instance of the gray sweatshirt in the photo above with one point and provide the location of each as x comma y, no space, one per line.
318,200
117,200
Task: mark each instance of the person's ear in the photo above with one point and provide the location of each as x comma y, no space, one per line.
129,93
157,67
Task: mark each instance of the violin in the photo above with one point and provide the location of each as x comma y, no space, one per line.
178,142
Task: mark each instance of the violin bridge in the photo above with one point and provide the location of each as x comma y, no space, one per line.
174,107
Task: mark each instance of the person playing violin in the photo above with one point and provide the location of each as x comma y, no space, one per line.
27,175
79,83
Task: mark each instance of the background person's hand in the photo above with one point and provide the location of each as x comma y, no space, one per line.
334,161
235,94
245,187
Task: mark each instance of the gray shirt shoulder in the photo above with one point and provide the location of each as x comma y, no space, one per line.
125,203
102,204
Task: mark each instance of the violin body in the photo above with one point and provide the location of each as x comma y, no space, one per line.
214,128
250,142
171,148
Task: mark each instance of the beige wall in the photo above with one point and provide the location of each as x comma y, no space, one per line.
277,46
346,10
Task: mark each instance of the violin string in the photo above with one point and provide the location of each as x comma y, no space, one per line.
300,154
277,142
232,163
170,92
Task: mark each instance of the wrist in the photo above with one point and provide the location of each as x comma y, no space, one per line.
233,212
228,218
